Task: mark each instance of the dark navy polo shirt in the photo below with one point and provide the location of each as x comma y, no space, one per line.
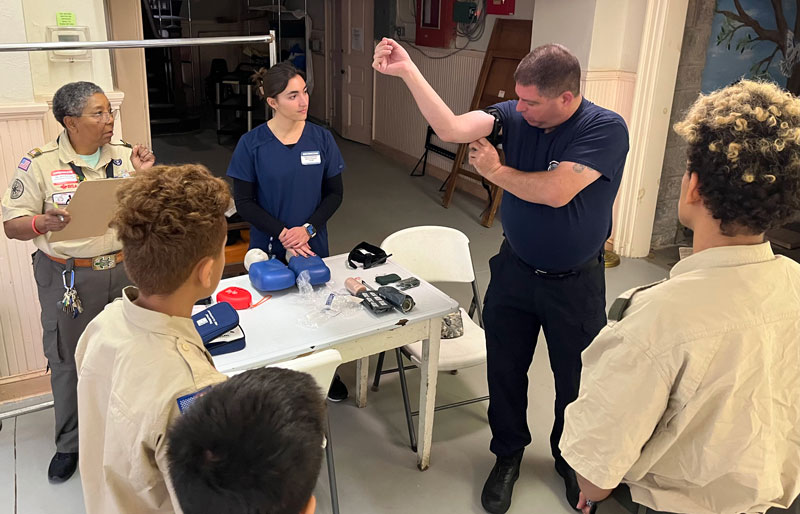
560,239
289,180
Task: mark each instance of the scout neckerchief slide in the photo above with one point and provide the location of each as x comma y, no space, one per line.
70,304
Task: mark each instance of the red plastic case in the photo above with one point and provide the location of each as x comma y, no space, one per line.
239,298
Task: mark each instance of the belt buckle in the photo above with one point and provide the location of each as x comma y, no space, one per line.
104,262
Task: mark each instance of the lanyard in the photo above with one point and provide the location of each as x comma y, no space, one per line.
81,177
78,171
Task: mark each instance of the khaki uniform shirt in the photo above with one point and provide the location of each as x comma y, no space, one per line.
133,365
44,180
693,398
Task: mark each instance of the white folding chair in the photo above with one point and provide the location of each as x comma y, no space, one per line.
437,254
322,366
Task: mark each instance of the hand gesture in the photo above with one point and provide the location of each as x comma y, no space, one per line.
391,59
303,251
294,237
484,157
142,158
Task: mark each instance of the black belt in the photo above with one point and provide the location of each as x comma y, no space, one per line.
591,263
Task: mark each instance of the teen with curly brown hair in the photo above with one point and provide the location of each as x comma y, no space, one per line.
141,359
688,399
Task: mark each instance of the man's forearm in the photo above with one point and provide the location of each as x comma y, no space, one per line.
591,491
433,109
535,187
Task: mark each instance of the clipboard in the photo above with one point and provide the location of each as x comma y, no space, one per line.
91,207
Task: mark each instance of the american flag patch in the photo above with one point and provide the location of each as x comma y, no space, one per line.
24,164
186,401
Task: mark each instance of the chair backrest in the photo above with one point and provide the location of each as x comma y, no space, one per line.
435,254
322,366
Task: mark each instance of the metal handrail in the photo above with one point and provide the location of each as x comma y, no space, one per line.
141,43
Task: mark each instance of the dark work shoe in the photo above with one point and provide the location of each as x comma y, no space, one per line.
573,490
62,466
496,495
338,391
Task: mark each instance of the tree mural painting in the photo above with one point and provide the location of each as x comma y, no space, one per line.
782,36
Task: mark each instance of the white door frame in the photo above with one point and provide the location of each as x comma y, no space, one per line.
659,56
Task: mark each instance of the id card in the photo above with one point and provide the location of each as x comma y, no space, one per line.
310,158
62,199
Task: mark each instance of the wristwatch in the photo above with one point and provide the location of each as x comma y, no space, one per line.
310,229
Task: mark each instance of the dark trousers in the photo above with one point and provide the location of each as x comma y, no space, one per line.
623,495
60,333
571,311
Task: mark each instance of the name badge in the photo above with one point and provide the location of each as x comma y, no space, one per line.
62,199
310,158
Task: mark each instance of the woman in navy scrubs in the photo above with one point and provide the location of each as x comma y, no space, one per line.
287,176
286,173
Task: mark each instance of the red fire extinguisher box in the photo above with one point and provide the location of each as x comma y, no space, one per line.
435,25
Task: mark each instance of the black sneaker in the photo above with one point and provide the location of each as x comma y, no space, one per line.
62,466
496,495
573,490
338,391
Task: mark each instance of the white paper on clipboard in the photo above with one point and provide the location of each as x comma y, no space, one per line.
91,208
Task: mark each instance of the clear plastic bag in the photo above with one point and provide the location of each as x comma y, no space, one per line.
327,304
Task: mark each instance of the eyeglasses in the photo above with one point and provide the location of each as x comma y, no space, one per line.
102,116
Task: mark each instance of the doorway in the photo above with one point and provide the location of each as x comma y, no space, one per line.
352,26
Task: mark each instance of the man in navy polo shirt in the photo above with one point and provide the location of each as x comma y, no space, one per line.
564,161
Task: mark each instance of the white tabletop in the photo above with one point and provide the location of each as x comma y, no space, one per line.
274,332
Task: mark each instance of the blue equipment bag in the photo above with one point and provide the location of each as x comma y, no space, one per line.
216,321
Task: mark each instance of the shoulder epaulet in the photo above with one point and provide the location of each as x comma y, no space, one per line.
123,143
621,304
36,152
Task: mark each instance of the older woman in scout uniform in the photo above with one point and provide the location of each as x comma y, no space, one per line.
77,278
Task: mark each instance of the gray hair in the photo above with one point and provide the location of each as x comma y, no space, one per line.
71,99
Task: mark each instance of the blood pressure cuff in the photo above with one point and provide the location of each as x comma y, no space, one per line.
367,255
496,136
271,275
215,321
400,300
318,272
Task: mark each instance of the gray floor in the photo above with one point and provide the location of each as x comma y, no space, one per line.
375,467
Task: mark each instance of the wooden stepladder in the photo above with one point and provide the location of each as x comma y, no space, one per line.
510,42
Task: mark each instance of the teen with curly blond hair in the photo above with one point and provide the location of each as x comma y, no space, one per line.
688,399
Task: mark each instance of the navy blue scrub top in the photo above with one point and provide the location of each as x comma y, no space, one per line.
561,239
289,179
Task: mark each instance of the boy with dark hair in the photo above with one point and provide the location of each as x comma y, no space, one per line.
253,444
141,360
688,398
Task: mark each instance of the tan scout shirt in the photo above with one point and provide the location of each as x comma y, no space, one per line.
44,180
133,365
693,398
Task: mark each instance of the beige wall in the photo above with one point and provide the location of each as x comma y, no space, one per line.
617,35
129,67
47,75
568,23
18,86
